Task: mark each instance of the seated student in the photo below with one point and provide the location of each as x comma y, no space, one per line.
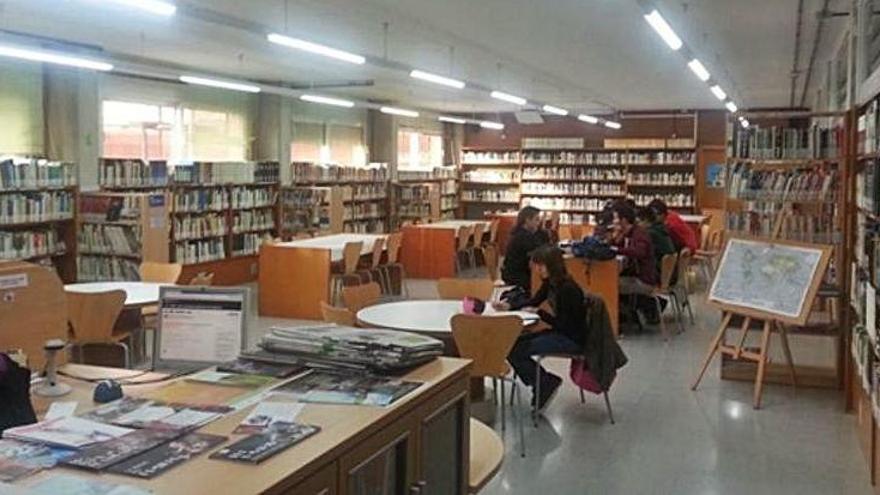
660,239
682,235
525,238
640,273
567,322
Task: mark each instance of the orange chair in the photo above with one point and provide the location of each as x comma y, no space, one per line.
392,263
462,249
346,269
92,318
358,297
339,316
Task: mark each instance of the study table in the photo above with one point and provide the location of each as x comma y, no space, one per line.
429,317
295,276
428,250
137,294
421,438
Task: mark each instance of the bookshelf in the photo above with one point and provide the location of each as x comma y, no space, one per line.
117,231
446,181
310,210
416,202
364,192
37,213
132,174
490,177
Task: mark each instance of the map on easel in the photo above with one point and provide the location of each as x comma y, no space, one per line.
775,280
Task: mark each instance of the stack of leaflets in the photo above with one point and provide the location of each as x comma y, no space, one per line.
355,348
145,413
70,432
345,388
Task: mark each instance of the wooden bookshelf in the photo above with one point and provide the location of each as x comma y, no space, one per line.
415,202
310,210
489,176
364,192
37,214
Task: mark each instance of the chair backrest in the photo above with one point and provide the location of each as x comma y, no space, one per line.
351,254
340,316
393,249
358,297
161,273
704,237
93,315
378,250
667,268
565,233
493,231
203,278
486,455
716,240
487,340
479,230
464,237
685,259
459,288
490,254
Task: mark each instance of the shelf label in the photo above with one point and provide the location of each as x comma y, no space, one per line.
15,281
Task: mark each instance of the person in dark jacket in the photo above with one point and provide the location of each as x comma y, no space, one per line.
567,321
633,242
660,239
525,238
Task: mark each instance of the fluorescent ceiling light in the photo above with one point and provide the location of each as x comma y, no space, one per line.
555,110
500,95
451,120
434,78
588,119
151,6
308,46
486,124
327,101
399,111
699,69
731,106
612,125
744,123
53,58
663,29
718,92
214,83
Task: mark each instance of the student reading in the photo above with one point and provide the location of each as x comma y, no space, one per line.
567,322
525,238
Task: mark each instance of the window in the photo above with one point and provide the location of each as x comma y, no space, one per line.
214,135
347,145
21,108
417,150
137,130
308,141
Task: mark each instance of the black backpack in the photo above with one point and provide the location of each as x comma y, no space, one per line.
593,248
15,387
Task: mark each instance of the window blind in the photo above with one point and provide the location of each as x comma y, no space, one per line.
308,138
21,108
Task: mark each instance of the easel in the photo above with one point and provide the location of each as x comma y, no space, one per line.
771,323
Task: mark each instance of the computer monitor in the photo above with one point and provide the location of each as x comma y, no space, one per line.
199,327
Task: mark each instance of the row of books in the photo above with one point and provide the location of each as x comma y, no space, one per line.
661,179
201,226
577,188
788,143
248,244
33,173
577,218
42,206
560,204
490,157
491,195
819,183
369,226
868,186
415,192
109,239
818,228
251,197
869,137
448,203
248,221
27,244
364,192
436,173
491,176
311,173
106,269
116,172
360,211
192,252
198,200
108,208
609,158
414,211
303,197
573,173
680,200
226,173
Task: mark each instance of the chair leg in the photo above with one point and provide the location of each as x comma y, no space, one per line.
679,314
517,412
537,391
608,407
660,316
503,411
127,352
495,391
583,399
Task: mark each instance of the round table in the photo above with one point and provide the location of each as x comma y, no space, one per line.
430,317
137,294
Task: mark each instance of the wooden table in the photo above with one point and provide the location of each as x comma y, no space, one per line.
428,250
429,317
295,276
349,449
598,277
137,294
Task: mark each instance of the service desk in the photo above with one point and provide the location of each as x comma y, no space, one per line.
421,438
598,277
295,276
428,250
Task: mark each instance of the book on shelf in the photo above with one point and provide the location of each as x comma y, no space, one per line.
36,206
609,158
565,203
199,251
573,189
248,244
661,179
199,226
307,173
91,268
253,220
310,210
109,239
491,176
225,173
125,172
34,173
251,197
573,173
199,200
490,157
788,143
817,183
437,173
29,244
491,195
676,201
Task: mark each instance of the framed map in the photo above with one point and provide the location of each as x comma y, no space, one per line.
770,280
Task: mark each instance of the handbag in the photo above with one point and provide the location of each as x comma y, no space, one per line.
15,395
516,297
581,376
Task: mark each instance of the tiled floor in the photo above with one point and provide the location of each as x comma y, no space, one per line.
669,440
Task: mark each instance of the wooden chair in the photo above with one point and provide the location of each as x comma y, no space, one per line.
493,233
160,273
358,297
665,290
369,271
486,455
203,279
684,285
490,254
340,316
476,243
565,233
710,250
487,340
459,288
462,241
346,269
92,318
392,263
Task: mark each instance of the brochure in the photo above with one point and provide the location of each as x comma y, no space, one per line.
104,455
345,388
250,367
261,446
71,432
267,414
166,456
75,485
232,379
20,459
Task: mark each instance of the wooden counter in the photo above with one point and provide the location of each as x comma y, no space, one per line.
598,277
428,250
424,436
506,224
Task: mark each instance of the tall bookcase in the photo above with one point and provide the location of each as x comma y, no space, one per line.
490,177
364,192
37,213
310,210
446,183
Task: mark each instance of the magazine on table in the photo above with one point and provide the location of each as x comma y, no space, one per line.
71,432
261,446
232,379
101,456
166,456
78,485
267,414
19,459
345,388
146,413
251,367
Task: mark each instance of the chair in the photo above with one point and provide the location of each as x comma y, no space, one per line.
346,269
490,254
684,282
459,288
340,316
538,360
476,243
665,290
710,249
203,278
369,272
486,455
487,340
392,257
92,317
160,273
493,233
462,245
565,233
358,297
